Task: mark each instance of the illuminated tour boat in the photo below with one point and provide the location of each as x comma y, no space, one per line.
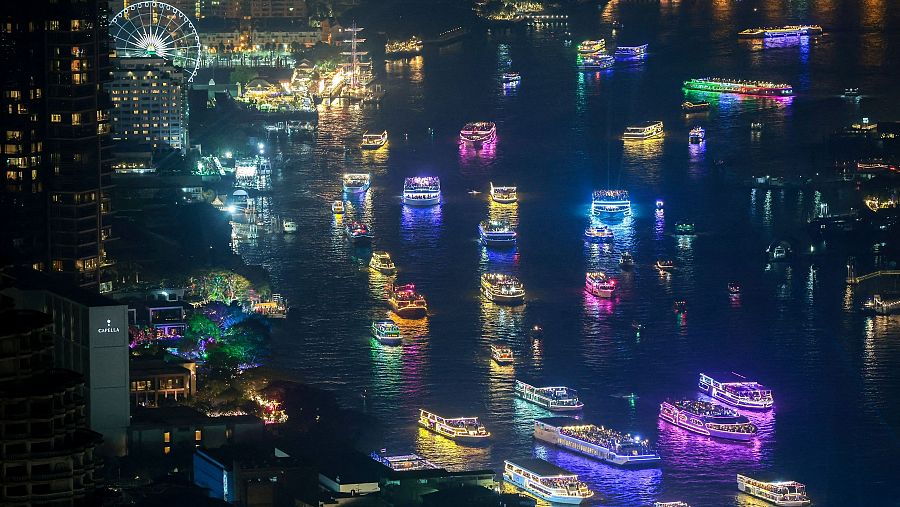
596,62
501,355
644,131
782,32
289,226
502,289
356,183
395,49
358,232
735,390
694,107
782,493
510,78
404,462
337,207
631,52
626,260
381,262
422,191
461,429
598,233
664,265
546,481
478,133
406,302
374,141
739,86
555,399
595,441
708,419
697,135
610,203
504,195
599,284
497,233
684,228
734,288
592,47
386,332
670,504
756,126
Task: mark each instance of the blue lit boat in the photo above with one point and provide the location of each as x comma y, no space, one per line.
631,52
697,135
422,191
601,443
610,203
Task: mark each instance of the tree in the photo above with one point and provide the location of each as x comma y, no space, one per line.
199,329
242,75
246,341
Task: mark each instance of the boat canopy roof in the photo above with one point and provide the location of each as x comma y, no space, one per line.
540,467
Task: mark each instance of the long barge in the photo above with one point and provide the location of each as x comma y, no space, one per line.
604,444
739,87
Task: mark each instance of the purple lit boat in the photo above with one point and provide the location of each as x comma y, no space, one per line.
735,390
708,419
478,133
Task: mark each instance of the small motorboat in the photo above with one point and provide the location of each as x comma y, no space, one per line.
734,288
289,226
680,306
626,260
537,331
637,326
851,92
337,207
598,233
664,265
756,126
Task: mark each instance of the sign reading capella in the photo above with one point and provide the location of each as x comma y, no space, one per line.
108,328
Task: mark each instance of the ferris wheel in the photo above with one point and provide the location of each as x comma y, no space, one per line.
153,28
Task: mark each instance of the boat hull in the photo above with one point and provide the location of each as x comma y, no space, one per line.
461,439
360,240
355,190
372,146
383,270
522,483
502,299
504,200
595,451
388,340
410,312
750,490
502,362
498,241
600,293
432,201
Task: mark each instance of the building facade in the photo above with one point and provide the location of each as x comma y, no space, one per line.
46,450
57,164
90,338
149,103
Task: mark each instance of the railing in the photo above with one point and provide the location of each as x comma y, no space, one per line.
853,280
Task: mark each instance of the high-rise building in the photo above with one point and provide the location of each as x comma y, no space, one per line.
149,103
57,168
46,450
277,9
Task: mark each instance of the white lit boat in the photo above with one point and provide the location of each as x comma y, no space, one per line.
356,183
461,429
501,355
708,419
599,284
406,302
504,195
735,390
497,233
694,107
670,504
595,441
422,191
337,207
381,262
386,332
503,289
644,131
374,141
782,32
555,399
546,481
697,135
289,226
478,133
598,233
664,265
610,203
783,493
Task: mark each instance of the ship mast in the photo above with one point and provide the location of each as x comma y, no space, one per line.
354,55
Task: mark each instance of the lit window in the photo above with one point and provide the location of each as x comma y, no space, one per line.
167,449
76,118
55,118
198,435
167,437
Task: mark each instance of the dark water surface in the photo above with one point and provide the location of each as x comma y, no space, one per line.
835,373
